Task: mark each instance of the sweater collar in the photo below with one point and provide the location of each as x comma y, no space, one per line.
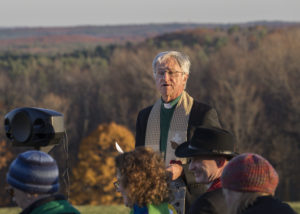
42,201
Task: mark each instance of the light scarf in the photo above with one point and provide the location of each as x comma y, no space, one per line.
178,127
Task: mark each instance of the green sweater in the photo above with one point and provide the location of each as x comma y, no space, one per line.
55,207
51,205
166,115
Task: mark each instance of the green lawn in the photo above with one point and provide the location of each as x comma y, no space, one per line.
117,209
114,209
295,206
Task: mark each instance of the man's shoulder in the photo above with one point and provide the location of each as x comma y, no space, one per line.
144,113
200,105
203,114
211,196
209,202
196,106
146,110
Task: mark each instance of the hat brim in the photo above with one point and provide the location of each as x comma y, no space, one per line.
184,151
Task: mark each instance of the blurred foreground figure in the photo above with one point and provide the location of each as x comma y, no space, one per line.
33,180
249,183
143,182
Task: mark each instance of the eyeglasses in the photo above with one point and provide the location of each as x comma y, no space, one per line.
10,191
161,73
117,185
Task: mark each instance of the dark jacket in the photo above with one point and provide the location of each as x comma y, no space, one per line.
268,204
201,114
55,204
212,202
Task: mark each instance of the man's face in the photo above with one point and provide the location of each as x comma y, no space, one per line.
170,86
205,169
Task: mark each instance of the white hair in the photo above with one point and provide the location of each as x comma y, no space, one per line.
181,58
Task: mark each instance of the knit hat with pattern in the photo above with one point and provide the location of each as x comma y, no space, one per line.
34,172
250,173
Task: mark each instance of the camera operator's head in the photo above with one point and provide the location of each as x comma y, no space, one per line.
32,175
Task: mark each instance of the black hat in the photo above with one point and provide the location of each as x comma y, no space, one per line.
207,140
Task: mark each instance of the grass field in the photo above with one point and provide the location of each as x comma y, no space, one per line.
295,206
114,209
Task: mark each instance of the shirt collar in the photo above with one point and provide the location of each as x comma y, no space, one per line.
171,104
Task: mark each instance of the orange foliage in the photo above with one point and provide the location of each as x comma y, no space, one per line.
5,154
94,175
5,159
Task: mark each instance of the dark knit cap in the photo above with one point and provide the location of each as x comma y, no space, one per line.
250,173
34,172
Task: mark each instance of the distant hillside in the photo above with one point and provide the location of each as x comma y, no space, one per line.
119,31
66,39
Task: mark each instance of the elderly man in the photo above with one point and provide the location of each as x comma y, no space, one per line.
209,149
166,124
33,180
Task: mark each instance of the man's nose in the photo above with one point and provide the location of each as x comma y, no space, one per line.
166,76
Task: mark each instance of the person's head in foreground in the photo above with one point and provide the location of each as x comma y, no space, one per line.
142,178
249,183
209,150
171,70
34,179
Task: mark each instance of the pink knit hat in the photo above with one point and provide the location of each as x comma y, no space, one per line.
250,173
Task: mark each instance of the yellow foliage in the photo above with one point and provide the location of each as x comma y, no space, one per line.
5,154
90,177
93,177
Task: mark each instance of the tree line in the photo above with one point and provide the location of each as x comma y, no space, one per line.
250,75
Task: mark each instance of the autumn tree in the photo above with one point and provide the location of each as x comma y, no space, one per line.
94,175
5,158
277,62
133,84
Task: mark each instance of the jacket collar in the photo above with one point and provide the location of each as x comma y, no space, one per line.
42,201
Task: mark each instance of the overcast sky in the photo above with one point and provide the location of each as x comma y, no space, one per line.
15,13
